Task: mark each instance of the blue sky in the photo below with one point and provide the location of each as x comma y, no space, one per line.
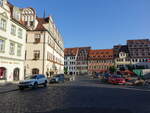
96,23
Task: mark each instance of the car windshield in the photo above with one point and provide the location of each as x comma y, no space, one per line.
31,77
116,76
57,76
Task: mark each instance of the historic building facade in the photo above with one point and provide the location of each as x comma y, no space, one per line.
28,44
76,60
44,45
100,60
71,60
139,51
135,54
82,60
12,43
121,56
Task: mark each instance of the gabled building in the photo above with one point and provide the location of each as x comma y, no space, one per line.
71,60
82,60
121,56
44,45
12,43
76,60
100,60
139,51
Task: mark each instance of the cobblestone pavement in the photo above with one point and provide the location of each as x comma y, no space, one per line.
9,87
84,95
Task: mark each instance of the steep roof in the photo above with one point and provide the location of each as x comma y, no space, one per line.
20,22
146,41
41,21
71,51
101,54
120,48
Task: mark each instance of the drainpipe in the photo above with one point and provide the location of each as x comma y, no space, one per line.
43,54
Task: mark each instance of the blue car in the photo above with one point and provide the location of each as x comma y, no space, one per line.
58,78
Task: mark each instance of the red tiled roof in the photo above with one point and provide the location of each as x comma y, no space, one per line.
11,14
101,54
71,51
139,41
120,48
74,51
41,21
11,7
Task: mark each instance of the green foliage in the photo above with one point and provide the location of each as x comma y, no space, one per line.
112,69
130,67
65,70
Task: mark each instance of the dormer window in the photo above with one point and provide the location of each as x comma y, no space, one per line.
17,15
1,2
31,23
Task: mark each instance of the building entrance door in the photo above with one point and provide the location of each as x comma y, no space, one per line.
16,74
2,73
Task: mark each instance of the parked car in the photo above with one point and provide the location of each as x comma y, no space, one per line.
72,78
33,81
131,82
58,78
116,79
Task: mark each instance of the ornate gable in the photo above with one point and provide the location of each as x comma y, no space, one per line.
4,15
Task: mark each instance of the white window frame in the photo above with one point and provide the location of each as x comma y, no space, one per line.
3,24
20,33
37,38
13,29
19,48
2,45
36,54
12,48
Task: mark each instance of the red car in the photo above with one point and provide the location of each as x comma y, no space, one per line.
116,80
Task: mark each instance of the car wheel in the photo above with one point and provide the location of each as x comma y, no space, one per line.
35,85
63,81
45,84
21,88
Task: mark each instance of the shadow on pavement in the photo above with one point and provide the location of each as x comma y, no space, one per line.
23,91
88,110
9,91
8,87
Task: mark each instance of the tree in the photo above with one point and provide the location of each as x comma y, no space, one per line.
130,67
112,69
65,70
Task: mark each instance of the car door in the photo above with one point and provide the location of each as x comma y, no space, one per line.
43,79
39,79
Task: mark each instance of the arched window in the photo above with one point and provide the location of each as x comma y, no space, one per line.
2,73
16,74
35,71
